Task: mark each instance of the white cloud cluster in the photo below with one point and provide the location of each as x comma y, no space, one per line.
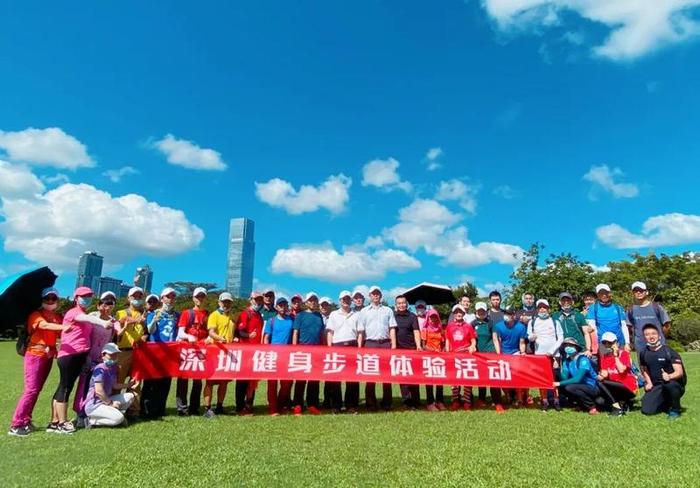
57,226
181,152
636,27
457,190
603,179
45,147
672,229
383,173
432,158
324,262
332,194
116,175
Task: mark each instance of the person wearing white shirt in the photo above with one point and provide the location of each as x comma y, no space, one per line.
378,327
547,335
341,331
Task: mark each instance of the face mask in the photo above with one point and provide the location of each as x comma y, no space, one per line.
84,302
654,344
136,303
570,350
167,307
49,306
110,362
543,315
258,308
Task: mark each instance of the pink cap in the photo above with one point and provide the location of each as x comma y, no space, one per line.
82,291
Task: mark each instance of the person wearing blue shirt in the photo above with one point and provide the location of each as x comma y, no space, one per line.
512,336
278,332
578,382
162,327
607,316
308,331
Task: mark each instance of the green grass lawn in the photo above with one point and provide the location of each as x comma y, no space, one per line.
479,448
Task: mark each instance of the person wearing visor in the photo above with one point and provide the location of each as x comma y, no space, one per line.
43,329
73,355
579,382
105,406
615,377
131,331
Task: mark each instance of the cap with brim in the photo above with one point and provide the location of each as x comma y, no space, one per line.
325,300
269,291
639,284
565,294
225,296
570,341
281,300
458,307
110,348
49,291
509,310
608,337
343,294
255,294
199,291
542,303
134,290
106,295
481,306
374,288
151,296
167,291
421,303
297,297
602,287
358,292
82,291
310,295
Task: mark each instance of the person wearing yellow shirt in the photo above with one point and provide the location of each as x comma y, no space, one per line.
220,327
131,331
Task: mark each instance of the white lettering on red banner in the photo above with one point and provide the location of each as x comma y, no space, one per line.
229,360
466,369
299,361
333,363
434,367
192,359
265,362
368,364
498,369
401,366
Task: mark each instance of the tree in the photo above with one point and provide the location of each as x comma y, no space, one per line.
187,287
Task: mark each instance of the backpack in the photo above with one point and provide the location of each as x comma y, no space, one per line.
667,354
191,318
637,373
631,321
23,338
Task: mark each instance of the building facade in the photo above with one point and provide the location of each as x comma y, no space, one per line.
89,270
110,284
144,278
241,257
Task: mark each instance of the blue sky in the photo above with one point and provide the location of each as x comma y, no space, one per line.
491,124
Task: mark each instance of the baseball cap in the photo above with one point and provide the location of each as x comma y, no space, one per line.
458,307
281,300
255,294
152,295
49,291
374,288
602,286
82,291
107,295
356,292
311,294
541,302
509,310
608,337
421,303
325,300
343,294
199,291
565,294
110,348
268,291
167,291
480,306
297,297
225,296
135,289
639,284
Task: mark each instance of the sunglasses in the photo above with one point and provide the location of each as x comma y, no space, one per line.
50,299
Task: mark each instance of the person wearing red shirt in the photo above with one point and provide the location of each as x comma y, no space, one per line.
296,305
460,337
192,327
249,328
616,378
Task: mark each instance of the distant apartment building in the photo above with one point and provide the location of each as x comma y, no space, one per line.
89,270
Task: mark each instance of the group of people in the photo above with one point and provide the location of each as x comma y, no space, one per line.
590,351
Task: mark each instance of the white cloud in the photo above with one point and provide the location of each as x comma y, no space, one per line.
432,158
382,173
55,228
332,195
45,147
57,179
16,181
187,154
635,27
603,178
672,229
325,263
457,190
456,249
116,175
505,191
599,269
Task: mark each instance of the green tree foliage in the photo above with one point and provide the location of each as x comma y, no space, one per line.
464,289
187,287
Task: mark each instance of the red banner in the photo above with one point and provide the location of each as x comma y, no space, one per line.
245,361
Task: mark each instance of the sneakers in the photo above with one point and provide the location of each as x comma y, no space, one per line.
674,415
530,400
544,405
246,412
66,428
52,428
593,411
454,406
209,413
19,431
219,410
297,411
432,408
467,407
616,412
80,422
31,427
314,411
441,406
500,408
557,406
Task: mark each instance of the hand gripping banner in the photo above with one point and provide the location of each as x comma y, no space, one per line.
257,362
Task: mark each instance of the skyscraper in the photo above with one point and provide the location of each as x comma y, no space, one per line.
144,278
90,270
108,283
241,257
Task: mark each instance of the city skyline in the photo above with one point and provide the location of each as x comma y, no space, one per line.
240,260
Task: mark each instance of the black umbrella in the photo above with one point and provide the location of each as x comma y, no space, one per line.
21,295
430,293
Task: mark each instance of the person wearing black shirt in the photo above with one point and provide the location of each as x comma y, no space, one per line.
664,377
407,337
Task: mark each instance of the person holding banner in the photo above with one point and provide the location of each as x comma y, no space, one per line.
191,327
460,337
378,326
308,331
162,327
433,339
547,336
579,382
249,330
278,331
487,341
220,327
512,338
341,331
407,337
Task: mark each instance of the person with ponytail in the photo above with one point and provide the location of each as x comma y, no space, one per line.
43,326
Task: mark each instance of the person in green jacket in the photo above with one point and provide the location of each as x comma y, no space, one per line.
573,323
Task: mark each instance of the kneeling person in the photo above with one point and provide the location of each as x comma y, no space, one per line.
664,376
103,408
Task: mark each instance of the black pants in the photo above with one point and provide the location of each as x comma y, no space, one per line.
312,390
410,394
195,396
334,388
663,398
619,393
370,392
154,396
69,369
495,394
242,399
438,395
584,395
